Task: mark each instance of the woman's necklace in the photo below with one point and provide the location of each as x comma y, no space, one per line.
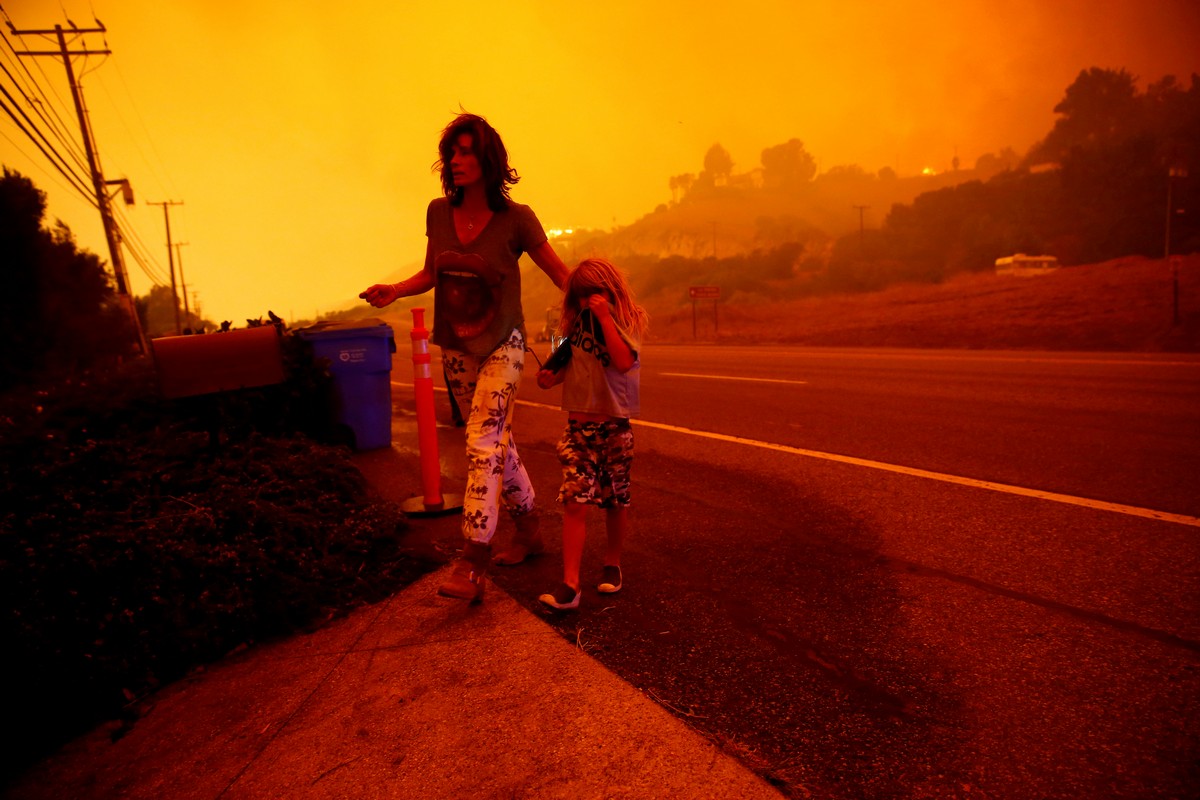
470,217
467,217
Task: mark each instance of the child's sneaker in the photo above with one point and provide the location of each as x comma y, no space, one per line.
610,581
564,598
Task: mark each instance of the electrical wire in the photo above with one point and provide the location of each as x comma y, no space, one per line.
29,85
41,88
165,185
66,143
140,259
137,248
90,199
33,125
45,104
75,180
36,98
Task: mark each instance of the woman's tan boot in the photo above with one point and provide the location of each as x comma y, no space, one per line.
526,542
466,579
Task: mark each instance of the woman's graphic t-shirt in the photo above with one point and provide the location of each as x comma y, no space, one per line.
477,296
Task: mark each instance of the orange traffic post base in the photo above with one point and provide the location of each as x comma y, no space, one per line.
432,502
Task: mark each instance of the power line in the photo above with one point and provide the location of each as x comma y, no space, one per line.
39,84
99,184
140,260
49,175
140,253
52,155
44,125
164,180
35,97
35,104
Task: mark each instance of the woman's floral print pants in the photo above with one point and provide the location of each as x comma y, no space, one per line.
495,475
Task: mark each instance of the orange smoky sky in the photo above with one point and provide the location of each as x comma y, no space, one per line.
299,135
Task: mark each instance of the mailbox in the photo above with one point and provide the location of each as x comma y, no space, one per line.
218,362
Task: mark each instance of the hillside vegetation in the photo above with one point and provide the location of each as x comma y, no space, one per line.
1121,305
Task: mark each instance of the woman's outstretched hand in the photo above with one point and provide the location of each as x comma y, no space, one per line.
381,294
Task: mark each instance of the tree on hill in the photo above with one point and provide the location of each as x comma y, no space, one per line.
845,172
59,311
787,165
681,185
718,164
1101,106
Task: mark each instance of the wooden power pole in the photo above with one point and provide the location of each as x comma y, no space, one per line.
187,314
99,185
171,258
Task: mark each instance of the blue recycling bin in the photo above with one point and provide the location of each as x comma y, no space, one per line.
359,353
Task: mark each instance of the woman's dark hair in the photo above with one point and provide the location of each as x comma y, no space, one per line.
493,160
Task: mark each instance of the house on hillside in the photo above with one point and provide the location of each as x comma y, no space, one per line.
1023,265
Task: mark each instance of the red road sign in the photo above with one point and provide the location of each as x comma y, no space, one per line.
704,292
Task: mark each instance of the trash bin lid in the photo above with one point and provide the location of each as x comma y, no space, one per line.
340,329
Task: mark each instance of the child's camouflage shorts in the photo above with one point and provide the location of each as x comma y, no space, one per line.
596,457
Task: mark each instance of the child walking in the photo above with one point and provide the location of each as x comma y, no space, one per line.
604,326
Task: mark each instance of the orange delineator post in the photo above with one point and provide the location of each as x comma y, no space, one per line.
427,440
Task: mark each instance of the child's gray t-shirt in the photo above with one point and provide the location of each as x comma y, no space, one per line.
588,385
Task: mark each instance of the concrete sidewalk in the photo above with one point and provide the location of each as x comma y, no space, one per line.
415,697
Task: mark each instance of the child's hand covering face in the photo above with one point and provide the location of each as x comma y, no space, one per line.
599,305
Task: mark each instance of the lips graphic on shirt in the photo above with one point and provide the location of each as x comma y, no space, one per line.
470,292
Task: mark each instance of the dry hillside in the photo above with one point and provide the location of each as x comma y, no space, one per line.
1122,305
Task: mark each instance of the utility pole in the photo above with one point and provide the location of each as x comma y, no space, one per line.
187,314
99,185
862,245
171,257
1175,171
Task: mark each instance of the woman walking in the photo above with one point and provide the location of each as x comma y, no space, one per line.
476,235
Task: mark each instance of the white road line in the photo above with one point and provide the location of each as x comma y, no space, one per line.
1038,494
413,386
727,378
1133,511
979,356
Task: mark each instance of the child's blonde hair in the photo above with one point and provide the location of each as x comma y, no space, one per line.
599,276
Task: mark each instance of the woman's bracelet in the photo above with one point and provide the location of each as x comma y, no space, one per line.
399,287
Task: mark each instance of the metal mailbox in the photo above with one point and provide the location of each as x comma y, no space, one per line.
218,362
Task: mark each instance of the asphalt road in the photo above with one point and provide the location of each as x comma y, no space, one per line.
905,573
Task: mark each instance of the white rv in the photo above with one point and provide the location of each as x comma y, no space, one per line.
1021,264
